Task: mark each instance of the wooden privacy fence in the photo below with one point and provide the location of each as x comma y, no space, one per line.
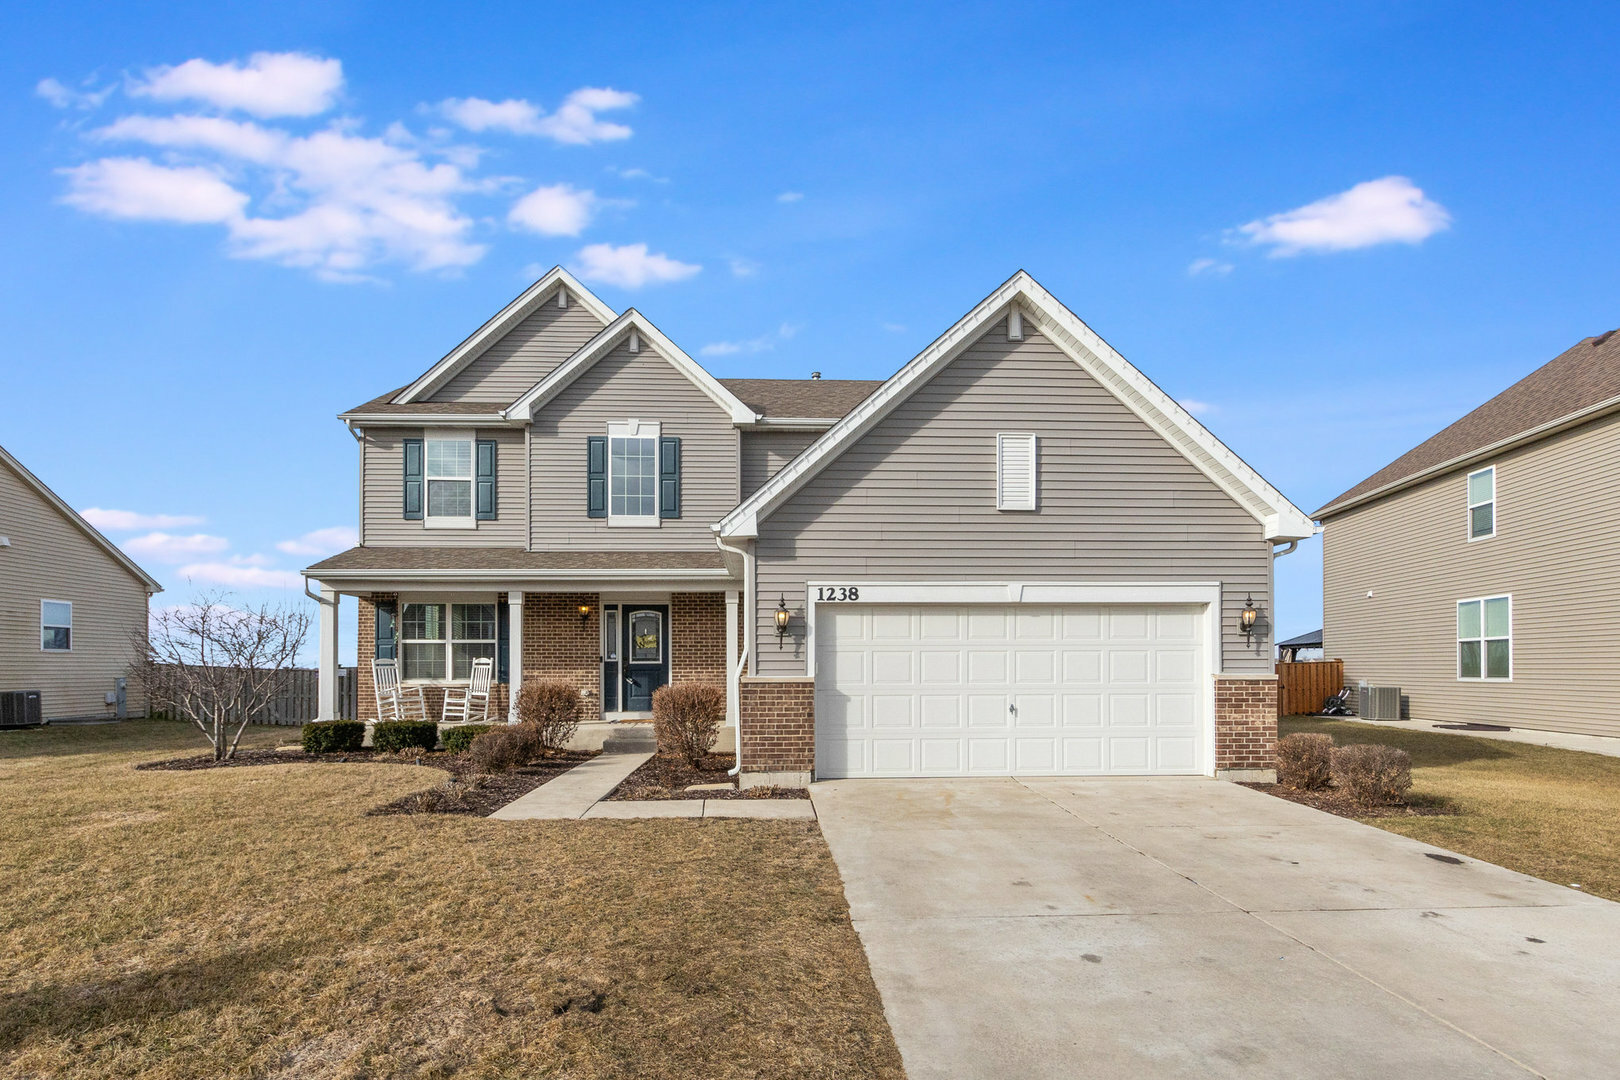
298,701
1303,686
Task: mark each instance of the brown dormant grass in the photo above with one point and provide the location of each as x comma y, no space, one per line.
253,922
1536,809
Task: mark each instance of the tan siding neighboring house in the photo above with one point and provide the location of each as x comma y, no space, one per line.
915,500
382,507
525,355
53,556
1556,551
764,452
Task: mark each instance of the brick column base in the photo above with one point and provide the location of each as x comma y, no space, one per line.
1246,728
777,729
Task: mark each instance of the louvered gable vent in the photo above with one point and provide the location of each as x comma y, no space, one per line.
1015,472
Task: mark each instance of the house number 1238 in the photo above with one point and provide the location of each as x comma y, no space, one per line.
838,592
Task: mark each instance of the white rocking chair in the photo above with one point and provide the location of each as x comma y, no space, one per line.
462,702
395,701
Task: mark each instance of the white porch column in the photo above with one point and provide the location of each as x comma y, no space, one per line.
327,685
514,652
733,709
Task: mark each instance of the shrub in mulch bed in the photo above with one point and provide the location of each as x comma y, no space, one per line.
333,736
668,777
1305,760
397,736
1373,773
457,739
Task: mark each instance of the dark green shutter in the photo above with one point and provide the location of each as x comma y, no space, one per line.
503,640
669,477
413,479
385,637
596,449
485,484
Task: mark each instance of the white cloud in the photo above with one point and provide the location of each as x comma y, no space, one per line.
241,575
269,84
130,520
1208,266
321,541
1383,211
574,122
636,174
554,210
629,266
763,343
65,97
232,138
743,267
135,188
174,548
790,196
1198,408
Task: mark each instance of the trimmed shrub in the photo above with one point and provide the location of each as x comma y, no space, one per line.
458,739
553,707
1373,774
1305,761
333,736
687,719
505,746
395,735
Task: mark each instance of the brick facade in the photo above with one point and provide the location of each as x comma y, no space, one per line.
1245,724
366,650
697,635
777,720
558,645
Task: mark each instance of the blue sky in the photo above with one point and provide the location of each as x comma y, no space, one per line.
1330,236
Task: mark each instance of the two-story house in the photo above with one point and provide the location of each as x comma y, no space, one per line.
1478,571
1016,555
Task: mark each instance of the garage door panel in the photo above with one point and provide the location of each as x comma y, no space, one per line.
986,690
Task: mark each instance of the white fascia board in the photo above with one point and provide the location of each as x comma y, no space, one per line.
1282,519
460,420
531,298
791,423
525,580
632,321
1016,592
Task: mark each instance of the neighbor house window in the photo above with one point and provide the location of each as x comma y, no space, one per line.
1485,638
450,481
633,473
1482,504
440,641
1016,462
56,625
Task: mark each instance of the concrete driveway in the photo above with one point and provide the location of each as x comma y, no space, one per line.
1194,928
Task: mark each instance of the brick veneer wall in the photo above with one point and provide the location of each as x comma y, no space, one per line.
1245,723
556,646
697,634
366,650
777,724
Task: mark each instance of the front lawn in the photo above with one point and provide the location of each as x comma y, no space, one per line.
238,922
1536,809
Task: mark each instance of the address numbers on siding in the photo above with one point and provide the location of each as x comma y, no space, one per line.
838,592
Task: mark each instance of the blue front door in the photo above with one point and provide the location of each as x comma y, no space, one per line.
643,654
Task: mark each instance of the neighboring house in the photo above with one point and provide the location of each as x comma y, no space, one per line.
70,605
1016,555
1480,571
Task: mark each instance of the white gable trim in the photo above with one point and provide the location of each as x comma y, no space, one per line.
632,322
1281,519
540,292
78,522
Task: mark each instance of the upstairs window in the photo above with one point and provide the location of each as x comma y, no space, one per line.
56,626
1482,503
450,481
1485,638
633,474
1016,469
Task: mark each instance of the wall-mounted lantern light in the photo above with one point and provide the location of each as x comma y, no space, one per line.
782,616
584,615
1248,616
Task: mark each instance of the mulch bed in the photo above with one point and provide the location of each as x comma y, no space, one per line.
464,792
1333,801
669,777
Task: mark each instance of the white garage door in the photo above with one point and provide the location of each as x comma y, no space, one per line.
933,690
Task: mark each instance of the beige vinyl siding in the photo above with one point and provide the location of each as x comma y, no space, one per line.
764,452
383,484
523,356
621,386
1556,551
51,558
914,500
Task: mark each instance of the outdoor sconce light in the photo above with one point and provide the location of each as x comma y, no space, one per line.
584,615
1248,616
782,616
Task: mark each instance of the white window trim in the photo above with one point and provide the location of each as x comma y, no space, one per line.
1472,504
1482,639
468,436
635,429
1002,501
43,624
447,641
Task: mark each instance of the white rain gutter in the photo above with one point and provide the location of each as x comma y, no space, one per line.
748,637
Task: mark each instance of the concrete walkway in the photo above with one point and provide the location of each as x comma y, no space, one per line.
1563,740
578,793
1193,928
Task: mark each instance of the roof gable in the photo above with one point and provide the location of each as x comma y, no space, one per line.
1022,294
631,322
542,291
74,519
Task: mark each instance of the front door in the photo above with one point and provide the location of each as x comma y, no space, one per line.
644,654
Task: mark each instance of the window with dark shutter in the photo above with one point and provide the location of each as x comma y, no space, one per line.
486,480
596,476
413,480
387,642
669,477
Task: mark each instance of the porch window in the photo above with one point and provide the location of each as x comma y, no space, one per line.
1482,504
1485,638
633,474
440,641
450,481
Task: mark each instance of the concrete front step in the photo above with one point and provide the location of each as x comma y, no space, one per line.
631,738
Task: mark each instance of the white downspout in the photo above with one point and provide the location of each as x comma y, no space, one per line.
748,637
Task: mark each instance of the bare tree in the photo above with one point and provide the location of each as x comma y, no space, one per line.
217,664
